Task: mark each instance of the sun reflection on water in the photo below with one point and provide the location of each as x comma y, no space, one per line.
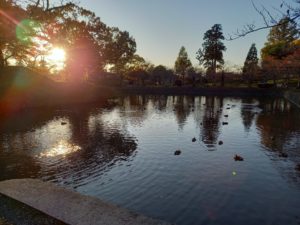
62,148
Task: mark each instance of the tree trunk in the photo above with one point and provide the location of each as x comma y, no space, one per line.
223,79
2,60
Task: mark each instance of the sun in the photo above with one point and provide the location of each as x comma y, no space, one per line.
56,58
57,54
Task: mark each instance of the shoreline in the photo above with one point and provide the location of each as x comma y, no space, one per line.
212,91
70,94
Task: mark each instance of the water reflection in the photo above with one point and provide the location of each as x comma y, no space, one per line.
279,128
211,121
248,112
62,148
124,153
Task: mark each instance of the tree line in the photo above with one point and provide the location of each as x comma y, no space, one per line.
29,29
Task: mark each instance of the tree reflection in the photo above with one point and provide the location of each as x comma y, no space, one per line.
28,153
182,109
248,113
280,133
209,132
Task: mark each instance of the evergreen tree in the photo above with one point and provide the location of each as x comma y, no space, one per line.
211,54
251,64
182,63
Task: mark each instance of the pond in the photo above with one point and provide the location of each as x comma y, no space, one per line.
124,154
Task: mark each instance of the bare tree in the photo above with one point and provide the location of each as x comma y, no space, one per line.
285,10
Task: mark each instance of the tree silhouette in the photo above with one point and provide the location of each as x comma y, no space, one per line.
182,63
89,43
211,54
251,64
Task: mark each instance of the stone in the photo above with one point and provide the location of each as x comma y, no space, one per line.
70,207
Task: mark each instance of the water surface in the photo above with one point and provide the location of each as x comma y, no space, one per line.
124,154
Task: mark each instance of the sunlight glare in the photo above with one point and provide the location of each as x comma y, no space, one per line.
57,55
62,148
57,58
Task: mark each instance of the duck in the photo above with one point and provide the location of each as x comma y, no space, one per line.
177,152
238,158
225,123
283,155
63,123
220,142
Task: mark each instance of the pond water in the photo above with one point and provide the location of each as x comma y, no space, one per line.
124,154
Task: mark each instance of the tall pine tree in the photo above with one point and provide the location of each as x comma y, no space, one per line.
211,54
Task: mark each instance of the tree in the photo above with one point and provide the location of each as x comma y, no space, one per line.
287,31
251,64
282,43
280,39
13,44
182,63
89,43
162,75
211,54
119,50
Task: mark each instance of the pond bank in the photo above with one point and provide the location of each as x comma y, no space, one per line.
15,212
68,206
212,91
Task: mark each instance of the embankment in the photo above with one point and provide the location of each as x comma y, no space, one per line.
21,88
68,206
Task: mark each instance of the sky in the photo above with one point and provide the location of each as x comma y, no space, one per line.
161,27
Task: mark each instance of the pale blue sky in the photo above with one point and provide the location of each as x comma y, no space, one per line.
161,27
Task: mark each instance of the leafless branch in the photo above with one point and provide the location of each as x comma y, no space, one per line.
268,18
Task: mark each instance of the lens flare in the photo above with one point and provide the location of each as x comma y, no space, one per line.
26,30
